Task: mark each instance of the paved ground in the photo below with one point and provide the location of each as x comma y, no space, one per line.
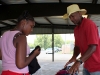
48,67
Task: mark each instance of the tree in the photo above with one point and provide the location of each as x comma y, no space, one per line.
45,41
58,41
69,41
31,45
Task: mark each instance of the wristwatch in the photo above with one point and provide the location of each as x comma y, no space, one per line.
79,60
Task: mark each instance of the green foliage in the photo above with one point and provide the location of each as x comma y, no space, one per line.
69,41
58,41
45,41
31,45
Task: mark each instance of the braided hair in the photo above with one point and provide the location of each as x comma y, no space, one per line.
25,15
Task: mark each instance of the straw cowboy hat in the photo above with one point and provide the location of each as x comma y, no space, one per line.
74,8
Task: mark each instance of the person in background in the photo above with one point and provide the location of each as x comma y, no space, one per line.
14,48
86,42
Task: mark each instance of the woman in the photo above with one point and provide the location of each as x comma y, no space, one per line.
14,48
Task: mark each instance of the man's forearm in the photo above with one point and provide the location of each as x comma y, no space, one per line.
0,58
76,51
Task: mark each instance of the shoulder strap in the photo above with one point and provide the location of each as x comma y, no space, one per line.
18,34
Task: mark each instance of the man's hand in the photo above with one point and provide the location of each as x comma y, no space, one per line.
74,68
73,59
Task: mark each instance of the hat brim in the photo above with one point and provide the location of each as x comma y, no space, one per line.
82,11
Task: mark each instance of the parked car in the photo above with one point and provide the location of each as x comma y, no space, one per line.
49,50
56,49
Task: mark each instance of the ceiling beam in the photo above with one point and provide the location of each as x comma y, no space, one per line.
94,1
43,9
27,1
3,3
60,1
16,22
48,20
37,24
6,24
6,28
89,16
13,21
60,26
56,26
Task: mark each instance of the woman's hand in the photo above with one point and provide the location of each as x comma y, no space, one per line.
37,52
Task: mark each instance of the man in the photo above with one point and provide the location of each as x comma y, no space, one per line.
86,42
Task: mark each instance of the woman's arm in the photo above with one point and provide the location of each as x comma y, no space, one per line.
21,51
0,55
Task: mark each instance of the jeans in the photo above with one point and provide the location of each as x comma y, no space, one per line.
85,72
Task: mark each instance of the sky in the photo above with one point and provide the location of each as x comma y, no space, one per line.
30,38
67,36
